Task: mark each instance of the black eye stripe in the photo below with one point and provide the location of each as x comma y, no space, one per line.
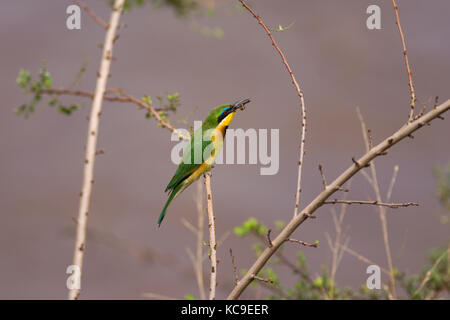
224,113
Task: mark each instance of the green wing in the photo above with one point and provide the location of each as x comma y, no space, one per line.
187,165
184,170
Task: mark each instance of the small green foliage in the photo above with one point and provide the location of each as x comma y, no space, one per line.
23,79
147,99
272,276
67,110
252,225
37,89
189,297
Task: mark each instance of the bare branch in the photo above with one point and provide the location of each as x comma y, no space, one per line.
391,185
408,69
324,182
88,176
96,18
199,258
384,145
236,277
382,210
262,279
268,237
303,243
375,202
121,97
362,258
302,104
212,238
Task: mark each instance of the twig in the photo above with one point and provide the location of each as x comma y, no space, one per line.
88,176
375,202
212,238
391,185
303,243
236,277
408,69
362,258
268,238
384,145
382,210
302,104
262,279
121,97
324,182
340,237
428,274
96,18
199,258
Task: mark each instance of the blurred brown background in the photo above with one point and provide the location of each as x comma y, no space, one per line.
339,63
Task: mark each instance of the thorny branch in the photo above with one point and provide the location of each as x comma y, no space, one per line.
382,210
212,238
302,104
318,201
408,69
120,96
375,202
88,176
96,18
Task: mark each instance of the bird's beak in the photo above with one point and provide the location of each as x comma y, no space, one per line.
239,104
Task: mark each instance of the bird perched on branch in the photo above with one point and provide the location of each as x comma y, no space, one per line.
201,150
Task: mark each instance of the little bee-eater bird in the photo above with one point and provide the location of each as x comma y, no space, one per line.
201,150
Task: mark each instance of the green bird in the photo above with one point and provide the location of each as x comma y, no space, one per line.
201,150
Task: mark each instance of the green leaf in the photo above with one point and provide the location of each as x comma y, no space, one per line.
189,297
23,79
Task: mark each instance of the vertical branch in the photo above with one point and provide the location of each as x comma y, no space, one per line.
337,246
302,105
199,250
382,210
212,238
88,175
408,69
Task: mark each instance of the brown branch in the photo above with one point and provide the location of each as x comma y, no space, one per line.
96,18
428,274
212,238
408,69
303,243
324,182
120,97
236,277
375,202
262,279
362,258
391,185
88,172
302,104
296,221
382,210
268,237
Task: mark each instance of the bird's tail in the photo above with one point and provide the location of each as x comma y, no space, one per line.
172,195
